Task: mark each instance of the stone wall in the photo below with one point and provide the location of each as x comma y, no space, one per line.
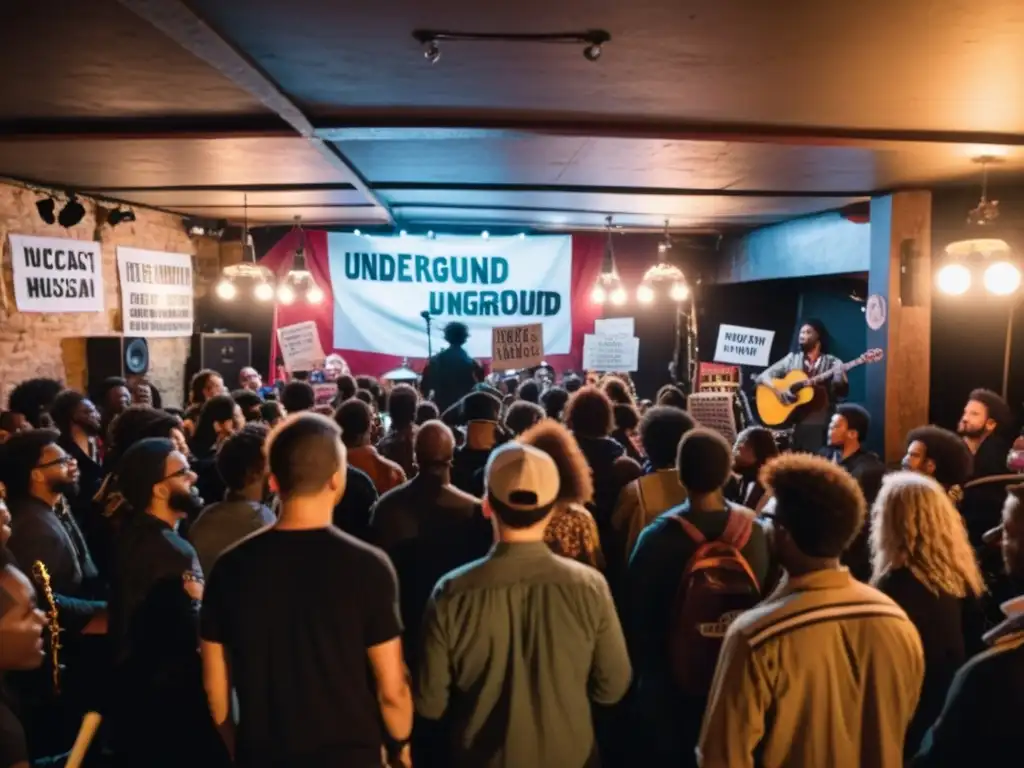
34,345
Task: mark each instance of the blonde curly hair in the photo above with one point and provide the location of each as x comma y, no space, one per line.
914,525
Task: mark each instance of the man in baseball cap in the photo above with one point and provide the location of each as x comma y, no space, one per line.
550,621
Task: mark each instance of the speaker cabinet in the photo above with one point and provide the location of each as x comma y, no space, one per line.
107,356
225,353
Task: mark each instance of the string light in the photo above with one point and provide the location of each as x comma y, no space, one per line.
264,291
285,294
485,234
226,290
314,295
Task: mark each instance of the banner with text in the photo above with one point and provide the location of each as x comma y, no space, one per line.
382,285
300,346
743,346
53,274
517,346
156,293
611,353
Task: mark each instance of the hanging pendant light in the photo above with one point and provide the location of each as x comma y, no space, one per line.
247,270
608,286
299,279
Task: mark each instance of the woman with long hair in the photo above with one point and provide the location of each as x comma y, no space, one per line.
921,558
571,532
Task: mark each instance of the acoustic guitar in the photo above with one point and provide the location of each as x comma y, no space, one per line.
774,411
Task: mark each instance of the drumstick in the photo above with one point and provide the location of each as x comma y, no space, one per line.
90,723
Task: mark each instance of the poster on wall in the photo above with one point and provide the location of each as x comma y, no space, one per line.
156,293
54,274
382,285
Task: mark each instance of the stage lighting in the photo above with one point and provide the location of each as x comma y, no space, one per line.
285,294
402,233
645,294
598,295
432,52
356,232
314,295
72,212
954,279
618,296
46,210
678,292
522,235
264,291
1002,278
592,52
119,216
226,290
431,235
485,234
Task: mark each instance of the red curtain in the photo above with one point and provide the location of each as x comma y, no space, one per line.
587,252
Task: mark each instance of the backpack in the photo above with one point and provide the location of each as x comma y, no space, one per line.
717,585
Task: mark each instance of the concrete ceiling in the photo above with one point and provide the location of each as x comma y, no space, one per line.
712,115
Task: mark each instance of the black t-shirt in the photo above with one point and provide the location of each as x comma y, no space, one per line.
295,612
13,749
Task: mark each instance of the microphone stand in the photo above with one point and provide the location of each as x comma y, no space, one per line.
430,346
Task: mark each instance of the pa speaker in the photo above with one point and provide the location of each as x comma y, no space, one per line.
225,353
107,356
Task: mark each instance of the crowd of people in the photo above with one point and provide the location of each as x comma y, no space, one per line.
546,571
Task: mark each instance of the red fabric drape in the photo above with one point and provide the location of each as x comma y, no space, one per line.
587,251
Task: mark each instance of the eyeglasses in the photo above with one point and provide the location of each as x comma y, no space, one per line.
178,473
62,461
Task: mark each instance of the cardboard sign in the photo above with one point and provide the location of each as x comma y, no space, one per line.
156,293
743,346
300,346
615,326
53,274
610,353
325,393
517,346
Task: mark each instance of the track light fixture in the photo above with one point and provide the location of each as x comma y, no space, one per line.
119,216
593,39
47,210
72,212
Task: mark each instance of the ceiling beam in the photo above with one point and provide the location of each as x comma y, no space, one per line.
120,129
389,187
181,24
376,126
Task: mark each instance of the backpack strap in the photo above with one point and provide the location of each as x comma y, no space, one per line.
738,527
691,530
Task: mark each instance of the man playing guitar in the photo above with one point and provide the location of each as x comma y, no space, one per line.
812,425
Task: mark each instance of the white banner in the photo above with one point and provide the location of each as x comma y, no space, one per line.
743,346
610,353
382,285
517,346
53,274
156,293
300,346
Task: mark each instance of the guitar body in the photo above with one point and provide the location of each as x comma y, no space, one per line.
771,409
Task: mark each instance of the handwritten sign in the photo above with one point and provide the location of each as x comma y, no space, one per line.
743,346
53,274
615,326
300,346
610,353
517,346
156,293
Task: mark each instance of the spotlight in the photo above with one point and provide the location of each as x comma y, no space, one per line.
618,296
226,290
1002,278
592,52
485,234
522,235
314,295
402,233
46,210
598,295
264,291
954,279
72,212
119,216
678,292
645,294
285,294
356,232
431,235
431,52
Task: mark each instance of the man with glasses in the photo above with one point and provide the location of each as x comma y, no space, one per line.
154,613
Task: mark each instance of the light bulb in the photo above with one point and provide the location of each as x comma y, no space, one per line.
430,234
356,232
618,296
485,234
1002,278
678,292
598,295
645,294
285,294
522,235
954,279
226,290
264,292
314,295
402,233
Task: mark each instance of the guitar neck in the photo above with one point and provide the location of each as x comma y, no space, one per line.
822,377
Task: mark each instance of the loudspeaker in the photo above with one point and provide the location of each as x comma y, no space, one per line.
225,353
107,356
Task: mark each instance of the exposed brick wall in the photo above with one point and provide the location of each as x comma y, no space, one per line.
39,345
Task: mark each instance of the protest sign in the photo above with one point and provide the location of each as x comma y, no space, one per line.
300,346
517,346
743,346
156,293
610,353
53,274
614,326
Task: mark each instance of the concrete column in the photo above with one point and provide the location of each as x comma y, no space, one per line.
900,272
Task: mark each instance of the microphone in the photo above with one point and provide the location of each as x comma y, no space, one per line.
425,314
